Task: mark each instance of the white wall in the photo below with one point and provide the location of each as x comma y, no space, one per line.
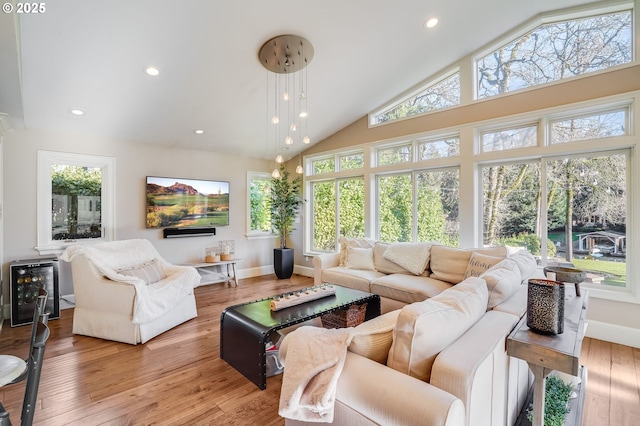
133,163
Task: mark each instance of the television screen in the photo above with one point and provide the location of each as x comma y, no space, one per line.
186,203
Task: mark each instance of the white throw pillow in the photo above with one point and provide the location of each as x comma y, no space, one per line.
372,339
526,263
352,242
502,280
425,328
149,272
359,258
479,263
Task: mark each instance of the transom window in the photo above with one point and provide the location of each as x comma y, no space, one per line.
556,51
439,94
592,126
521,137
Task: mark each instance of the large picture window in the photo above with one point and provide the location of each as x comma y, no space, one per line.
579,217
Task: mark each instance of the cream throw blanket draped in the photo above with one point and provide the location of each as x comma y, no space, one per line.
313,359
413,257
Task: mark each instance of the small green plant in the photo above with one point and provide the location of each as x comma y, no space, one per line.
556,398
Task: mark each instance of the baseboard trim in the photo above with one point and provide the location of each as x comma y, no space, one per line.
613,333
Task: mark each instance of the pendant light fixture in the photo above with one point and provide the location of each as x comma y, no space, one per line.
287,56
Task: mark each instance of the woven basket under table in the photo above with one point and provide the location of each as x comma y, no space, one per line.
341,318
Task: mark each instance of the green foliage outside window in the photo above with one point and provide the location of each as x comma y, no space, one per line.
76,202
260,213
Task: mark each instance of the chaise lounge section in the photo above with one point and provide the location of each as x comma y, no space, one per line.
470,379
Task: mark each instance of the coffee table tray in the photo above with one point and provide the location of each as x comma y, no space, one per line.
245,328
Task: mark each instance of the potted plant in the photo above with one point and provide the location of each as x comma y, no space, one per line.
285,205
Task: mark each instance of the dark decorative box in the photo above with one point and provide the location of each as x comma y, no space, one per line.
545,306
342,318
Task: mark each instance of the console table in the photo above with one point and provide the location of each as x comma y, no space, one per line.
560,352
210,277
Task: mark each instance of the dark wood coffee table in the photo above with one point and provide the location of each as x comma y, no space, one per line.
245,328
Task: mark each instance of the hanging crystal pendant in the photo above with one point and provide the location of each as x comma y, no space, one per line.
275,174
288,140
299,169
279,159
306,140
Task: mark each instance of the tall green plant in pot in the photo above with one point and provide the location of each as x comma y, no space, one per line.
286,201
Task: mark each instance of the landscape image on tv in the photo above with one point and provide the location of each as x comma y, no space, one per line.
184,203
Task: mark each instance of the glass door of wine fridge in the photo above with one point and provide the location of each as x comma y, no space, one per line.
27,277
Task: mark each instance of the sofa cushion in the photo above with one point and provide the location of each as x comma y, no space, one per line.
359,258
502,280
372,339
413,257
526,263
150,272
449,263
407,288
479,263
425,328
352,278
383,265
352,242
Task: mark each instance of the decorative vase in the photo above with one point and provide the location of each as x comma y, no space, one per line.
283,262
545,306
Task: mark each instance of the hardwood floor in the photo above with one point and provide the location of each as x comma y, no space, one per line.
178,377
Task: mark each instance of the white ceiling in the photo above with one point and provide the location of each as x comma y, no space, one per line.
91,55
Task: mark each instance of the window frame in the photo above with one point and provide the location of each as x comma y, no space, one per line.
46,245
249,233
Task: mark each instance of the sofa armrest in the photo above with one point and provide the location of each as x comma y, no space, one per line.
385,396
476,362
324,261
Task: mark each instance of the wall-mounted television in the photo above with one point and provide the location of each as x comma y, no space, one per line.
186,203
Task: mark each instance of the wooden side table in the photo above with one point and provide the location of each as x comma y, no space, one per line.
210,277
545,353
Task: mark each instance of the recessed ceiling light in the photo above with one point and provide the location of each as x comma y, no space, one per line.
198,132
431,22
77,112
152,71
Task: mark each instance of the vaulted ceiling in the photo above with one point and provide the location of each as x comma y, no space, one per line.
92,55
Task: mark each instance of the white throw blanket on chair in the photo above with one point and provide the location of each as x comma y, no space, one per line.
152,300
313,358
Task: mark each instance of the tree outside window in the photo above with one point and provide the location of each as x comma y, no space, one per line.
556,51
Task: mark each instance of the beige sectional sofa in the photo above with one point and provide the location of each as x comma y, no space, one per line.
437,356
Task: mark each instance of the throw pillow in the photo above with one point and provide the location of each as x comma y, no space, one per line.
450,264
149,272
425,328
383,265
352,242
502,280
413,257
526,263
359,258
372,339
479,263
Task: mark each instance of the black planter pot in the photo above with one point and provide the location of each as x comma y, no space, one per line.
283,262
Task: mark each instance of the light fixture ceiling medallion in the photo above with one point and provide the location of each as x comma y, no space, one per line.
286,56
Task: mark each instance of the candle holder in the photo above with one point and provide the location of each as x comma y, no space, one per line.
545,306
227,249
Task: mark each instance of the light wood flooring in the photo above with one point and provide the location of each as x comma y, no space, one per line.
178,377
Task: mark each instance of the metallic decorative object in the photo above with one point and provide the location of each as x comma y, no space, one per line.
567,275
545,306
286,56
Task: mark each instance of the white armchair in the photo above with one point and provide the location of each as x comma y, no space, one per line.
124,291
